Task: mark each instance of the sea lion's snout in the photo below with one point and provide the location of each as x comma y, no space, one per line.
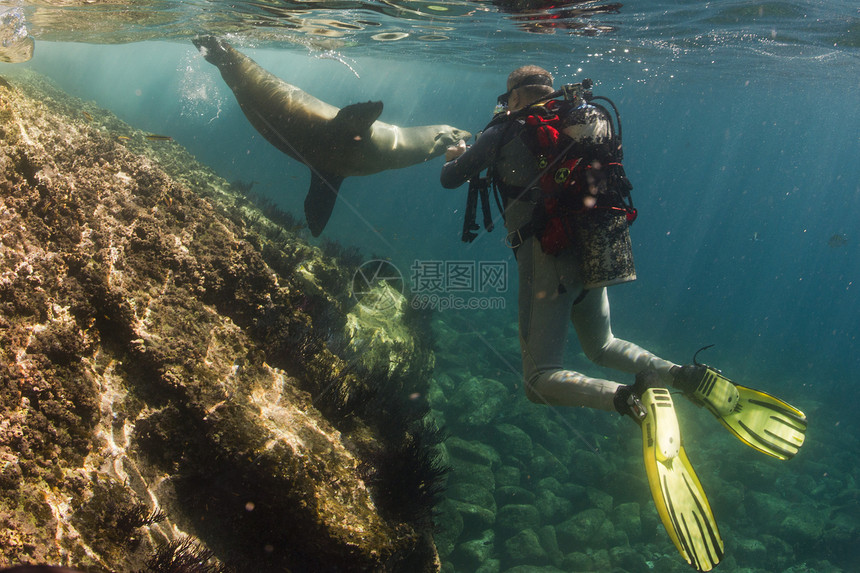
450,136
462,135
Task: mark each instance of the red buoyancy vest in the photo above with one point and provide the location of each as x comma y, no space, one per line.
570,184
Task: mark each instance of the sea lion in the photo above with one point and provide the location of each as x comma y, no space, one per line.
334,143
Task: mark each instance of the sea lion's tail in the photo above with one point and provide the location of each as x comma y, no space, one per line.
213,49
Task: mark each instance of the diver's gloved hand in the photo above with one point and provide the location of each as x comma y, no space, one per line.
627,400
455,151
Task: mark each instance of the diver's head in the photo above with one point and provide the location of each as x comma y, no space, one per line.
526,85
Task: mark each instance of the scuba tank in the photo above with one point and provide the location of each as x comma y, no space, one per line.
568,219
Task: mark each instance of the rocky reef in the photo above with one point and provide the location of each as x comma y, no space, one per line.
535,489
182,380
187,385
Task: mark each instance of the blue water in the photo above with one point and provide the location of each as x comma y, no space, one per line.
742,139
741,179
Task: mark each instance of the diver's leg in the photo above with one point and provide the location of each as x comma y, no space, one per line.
590,317
543,312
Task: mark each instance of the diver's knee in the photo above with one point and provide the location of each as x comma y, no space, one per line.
596,354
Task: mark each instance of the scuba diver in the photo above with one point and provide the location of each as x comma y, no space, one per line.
554,160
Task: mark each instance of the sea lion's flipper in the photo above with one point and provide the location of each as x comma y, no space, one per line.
212,49
320,201
355,119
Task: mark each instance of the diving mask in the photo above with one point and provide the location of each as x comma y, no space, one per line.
533,80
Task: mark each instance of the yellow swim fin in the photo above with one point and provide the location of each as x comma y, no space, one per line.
756,418
677,492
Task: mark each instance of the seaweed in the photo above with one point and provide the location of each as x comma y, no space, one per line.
274,213
349,257
110,519
184,555
409,478
401,464
243,187
139,515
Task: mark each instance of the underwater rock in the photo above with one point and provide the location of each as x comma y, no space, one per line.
625,487
552,508
779,553
601,560
475,518
549,542
166,369
591,469
472,451
536,569
437,399
593,561
804,525
728,500
651,525
544,431
444,382
511,494
583,530
507,476
576,493
449,527
553,485
759,474
490,566
467,472
766,508
514,441
669,564
577,561
544,463
751,552
513,518
840,532
473,494
451,358
479,401
599,499
525,547
627,518
627,559
470,555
